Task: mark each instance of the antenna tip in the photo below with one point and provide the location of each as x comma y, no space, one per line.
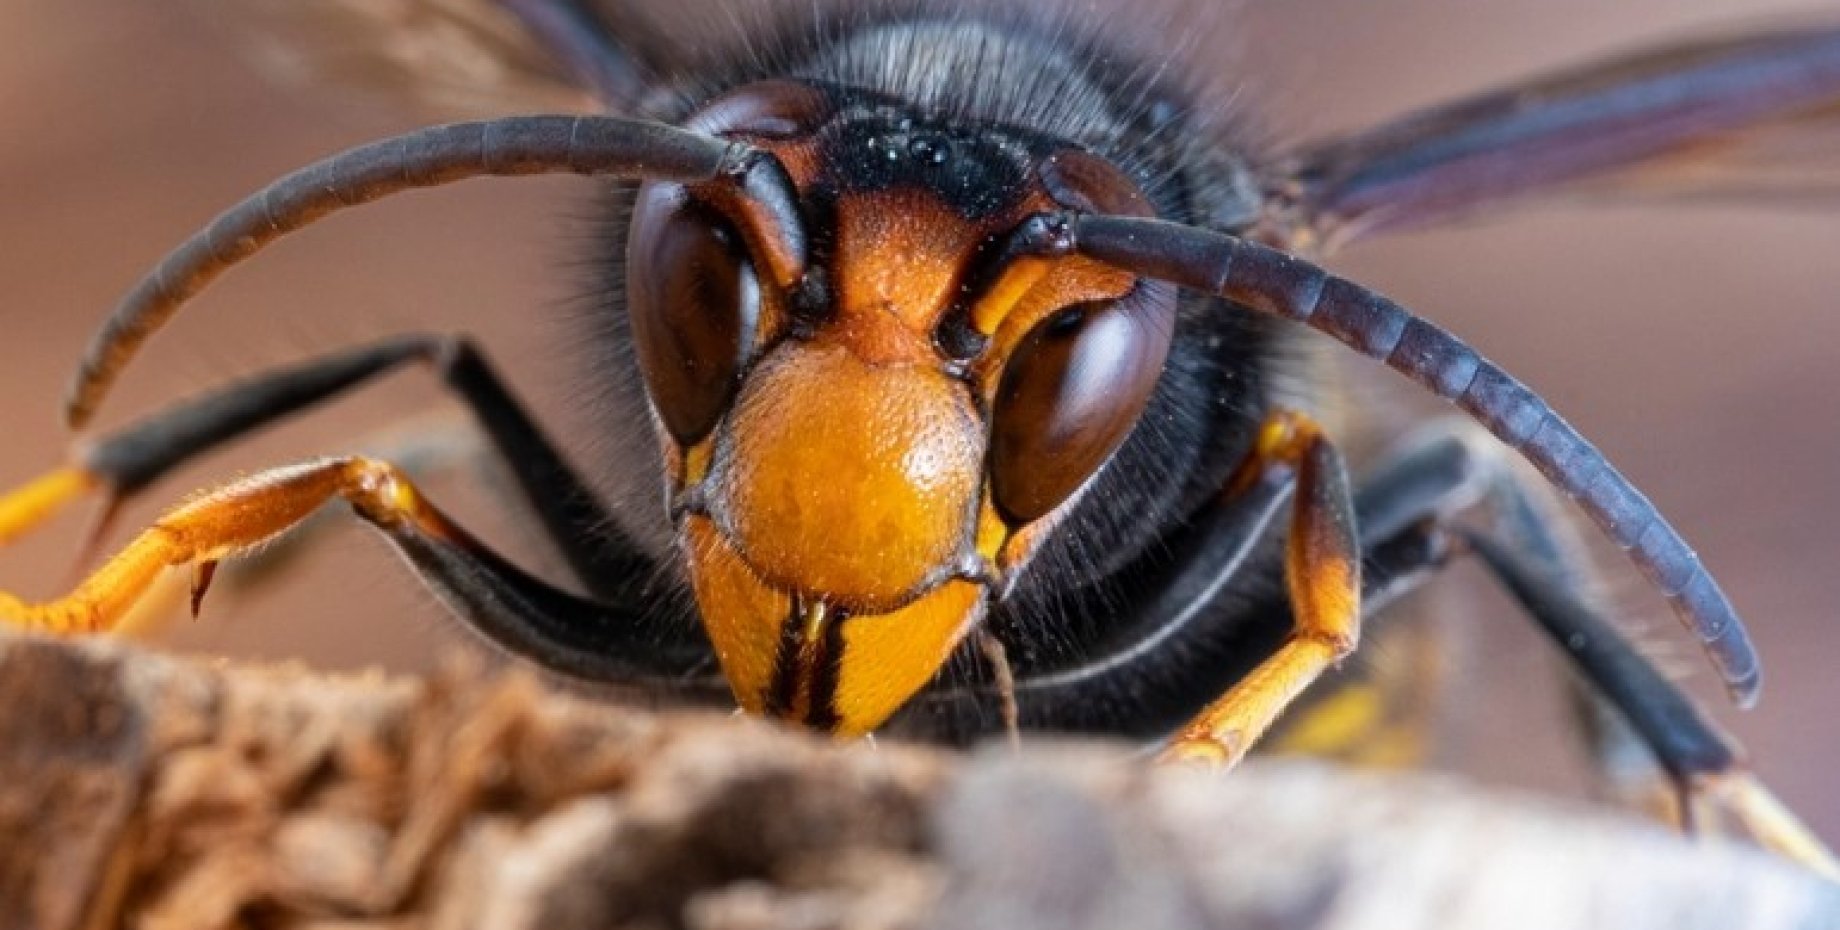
1709,614
1745,692
1738,666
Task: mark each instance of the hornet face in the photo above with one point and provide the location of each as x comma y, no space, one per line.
874,402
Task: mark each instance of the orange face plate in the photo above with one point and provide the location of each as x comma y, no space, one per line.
848,481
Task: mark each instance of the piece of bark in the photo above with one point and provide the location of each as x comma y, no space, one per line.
145,791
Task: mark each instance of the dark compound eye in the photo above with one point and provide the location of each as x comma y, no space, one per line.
1071,393
693,303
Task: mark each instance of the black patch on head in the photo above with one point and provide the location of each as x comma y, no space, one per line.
976,173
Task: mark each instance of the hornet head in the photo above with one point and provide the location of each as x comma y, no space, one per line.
877,383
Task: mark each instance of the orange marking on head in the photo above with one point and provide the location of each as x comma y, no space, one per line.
845,481
898,261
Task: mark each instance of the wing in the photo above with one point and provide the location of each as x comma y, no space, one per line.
455,59
1754,114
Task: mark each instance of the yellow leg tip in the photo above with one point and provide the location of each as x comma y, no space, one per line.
1217,752
1771,823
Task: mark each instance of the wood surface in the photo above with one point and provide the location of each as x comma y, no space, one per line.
140,790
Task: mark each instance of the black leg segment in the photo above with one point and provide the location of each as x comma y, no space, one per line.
1683,740
602,558
649,646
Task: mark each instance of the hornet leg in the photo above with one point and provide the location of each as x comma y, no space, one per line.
609,644
124,463
1323,579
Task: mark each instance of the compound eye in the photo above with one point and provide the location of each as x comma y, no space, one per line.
1071,392
693,302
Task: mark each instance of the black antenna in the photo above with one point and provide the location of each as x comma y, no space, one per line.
1271,281
587,145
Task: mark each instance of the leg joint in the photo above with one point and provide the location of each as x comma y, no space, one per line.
379,490
1340,643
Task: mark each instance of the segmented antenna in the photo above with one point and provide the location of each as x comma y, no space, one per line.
1271,281
587,145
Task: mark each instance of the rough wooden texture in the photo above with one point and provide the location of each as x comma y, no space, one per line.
143,791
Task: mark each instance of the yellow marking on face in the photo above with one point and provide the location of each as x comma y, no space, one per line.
1068,281
887,658
884,658
742,615
1011,287
696,463
991,530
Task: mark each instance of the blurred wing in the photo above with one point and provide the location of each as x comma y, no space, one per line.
1794,160
450,59
1754,114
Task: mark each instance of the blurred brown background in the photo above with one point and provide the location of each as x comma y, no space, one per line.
1698,346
